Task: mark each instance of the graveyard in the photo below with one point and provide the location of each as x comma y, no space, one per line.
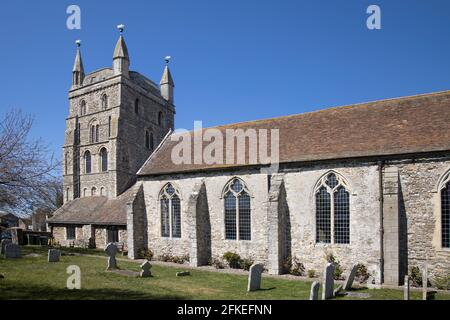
32,276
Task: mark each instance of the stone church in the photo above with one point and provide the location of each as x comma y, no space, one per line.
368,183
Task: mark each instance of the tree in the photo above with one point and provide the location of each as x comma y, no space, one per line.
28,171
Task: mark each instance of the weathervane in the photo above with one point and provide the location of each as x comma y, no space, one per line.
167,58
121,27
78,42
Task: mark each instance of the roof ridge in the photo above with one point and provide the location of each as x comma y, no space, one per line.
346,106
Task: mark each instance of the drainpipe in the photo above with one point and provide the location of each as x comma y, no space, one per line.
381,199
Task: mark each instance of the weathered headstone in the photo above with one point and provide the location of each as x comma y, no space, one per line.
254,277
314,294
328,282
54,255
3,245
12,251
111,250
351,277
406,288
146,272
425,283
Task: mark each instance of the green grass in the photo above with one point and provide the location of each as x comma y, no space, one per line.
35,278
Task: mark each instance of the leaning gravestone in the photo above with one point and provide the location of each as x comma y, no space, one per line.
54,255
111,250
351,277
328,282
314,294
254,277
3,245
145,272
12,251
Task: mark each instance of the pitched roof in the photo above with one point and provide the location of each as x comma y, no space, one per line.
98,210
121,50
387,127
167,77
78,64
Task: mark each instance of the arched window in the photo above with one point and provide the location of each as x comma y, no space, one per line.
149,144
109,126
82,107
445,211
332,210
94,133
136,106
104,159
85,192
237,211
102,191
170,212
87,162
160,118
93,191
104,101
65,163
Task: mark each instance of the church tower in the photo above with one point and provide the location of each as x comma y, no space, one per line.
116,119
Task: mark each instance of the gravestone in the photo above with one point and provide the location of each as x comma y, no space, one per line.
146,272
425,282
406,288
111,250
254,277
183,273
12,251
54,255
351,277
3,245
328,282
314,294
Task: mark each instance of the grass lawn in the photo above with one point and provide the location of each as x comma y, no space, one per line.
35,278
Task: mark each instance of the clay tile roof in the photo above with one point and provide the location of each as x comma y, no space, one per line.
98,210
389,127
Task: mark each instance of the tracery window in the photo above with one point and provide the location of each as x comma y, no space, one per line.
170,212
237,209
445,211
332,210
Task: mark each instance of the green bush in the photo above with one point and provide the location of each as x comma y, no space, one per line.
338,270
216,263
362,275
441,282
145,254
246,264
311,273
294,266
233,259
415,276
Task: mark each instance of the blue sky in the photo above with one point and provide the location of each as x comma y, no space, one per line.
232,60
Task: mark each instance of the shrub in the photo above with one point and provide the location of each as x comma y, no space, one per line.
246,264
145,254
362,275
311,273
416,276
294,266
441,282
297,268
338,270
233,259
216,263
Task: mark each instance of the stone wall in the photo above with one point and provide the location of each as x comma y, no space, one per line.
420,215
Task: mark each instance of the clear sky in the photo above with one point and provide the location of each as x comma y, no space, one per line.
232,60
